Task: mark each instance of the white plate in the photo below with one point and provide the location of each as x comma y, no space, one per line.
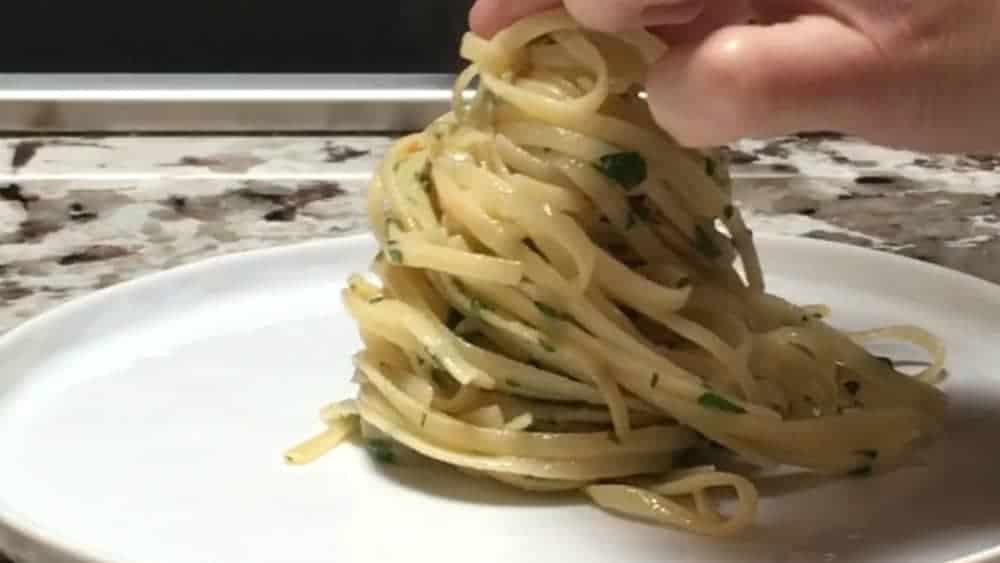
146,424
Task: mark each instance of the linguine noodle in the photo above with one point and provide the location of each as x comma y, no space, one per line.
559,307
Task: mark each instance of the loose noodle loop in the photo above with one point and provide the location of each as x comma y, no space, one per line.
559,308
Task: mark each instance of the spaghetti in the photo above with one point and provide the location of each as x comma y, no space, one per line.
559,307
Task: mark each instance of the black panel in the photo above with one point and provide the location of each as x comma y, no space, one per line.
158,36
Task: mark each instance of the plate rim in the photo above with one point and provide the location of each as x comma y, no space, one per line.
48,546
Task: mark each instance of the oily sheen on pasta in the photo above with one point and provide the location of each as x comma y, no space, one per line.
559,307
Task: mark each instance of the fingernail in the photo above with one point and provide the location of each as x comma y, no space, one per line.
666,13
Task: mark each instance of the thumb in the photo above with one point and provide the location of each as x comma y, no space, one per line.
810,73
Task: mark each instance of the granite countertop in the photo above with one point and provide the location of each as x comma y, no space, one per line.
82,213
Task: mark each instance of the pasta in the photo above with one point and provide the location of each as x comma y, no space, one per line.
561,306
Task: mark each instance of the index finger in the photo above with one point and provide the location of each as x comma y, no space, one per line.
490,16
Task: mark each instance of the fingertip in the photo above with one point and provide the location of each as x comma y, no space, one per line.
482,17
758,81
696,92
487,17
612,16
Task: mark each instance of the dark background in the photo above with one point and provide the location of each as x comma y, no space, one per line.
163,36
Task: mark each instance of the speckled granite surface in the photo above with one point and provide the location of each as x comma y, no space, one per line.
79,214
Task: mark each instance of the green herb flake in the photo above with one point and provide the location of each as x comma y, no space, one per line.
705,244
870,454
626,168
423,420
863,471
513,384
477,307
454,318
381,451
425,179
393,222
549,311
655,381
712,401
440,377
376,300
395,255
546,345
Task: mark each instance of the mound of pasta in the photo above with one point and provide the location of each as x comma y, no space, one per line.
569,300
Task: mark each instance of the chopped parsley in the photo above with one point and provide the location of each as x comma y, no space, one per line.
712,401
705,244
425,179
546,345
441,378
375,300
476,307
381,451
423,420
512,383
454,317
626,168
549,311
654,381
395,255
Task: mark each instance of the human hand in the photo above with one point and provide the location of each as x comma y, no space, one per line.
918,73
